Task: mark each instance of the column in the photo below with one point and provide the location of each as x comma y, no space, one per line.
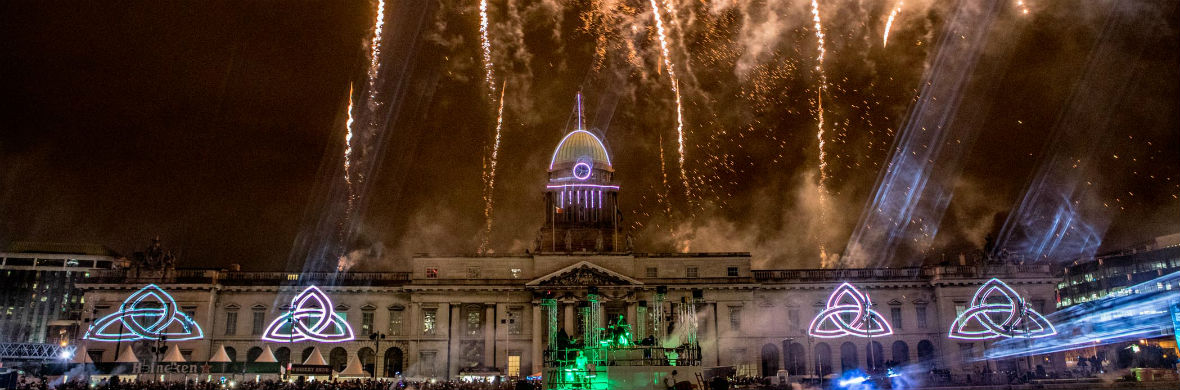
454,319
632,310
489,335
537,335
412,348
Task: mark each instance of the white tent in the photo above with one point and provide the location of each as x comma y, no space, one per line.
173,355
267,356
316,358
220,356
354,370
81,356
127,355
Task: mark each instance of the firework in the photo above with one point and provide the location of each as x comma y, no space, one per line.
491,175
486,44
655,10
889,23
375,51
819,101
348,150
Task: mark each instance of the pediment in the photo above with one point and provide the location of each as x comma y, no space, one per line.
584,274
920,301
894,302
232,306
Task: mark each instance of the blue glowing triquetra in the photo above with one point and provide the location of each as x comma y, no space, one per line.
998,311
148,314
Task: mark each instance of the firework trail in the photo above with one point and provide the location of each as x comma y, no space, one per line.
664,196
348,152
375,53
819,113
491,175
889,23
655,10
486,44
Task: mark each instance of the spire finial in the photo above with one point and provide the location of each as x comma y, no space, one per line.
580,125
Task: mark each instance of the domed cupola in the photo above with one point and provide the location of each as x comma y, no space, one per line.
581,195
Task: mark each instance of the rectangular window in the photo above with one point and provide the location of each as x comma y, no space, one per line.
366,323
966,352
1039,306
731,272
395,322
514,365
735,318
516,273
472,272
515,321
231,323
432,273
428,363
652,272
691,272
921,313
895,316
960,307
793,317
429,321
258,323
473,321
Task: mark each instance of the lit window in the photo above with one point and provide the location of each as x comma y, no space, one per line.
429,321
691,272
432,273
516,273
473,321
367,322
395,321
513,365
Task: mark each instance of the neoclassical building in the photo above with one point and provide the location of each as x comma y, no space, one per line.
452,315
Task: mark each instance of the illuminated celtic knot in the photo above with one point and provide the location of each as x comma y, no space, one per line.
148,314
849,313
998,311
310,319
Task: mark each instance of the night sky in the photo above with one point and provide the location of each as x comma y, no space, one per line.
219,125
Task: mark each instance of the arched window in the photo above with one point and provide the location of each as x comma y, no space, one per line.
875,356
368,358
232,353
283,355
306,354
795,357
252,354
848,359
338,358
393,362
769,360
926,352
901,353
823,358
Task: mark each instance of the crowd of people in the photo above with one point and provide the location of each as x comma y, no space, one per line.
352,384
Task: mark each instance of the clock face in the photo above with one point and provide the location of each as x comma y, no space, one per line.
581,170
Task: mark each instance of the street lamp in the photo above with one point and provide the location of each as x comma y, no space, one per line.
376,337
160,346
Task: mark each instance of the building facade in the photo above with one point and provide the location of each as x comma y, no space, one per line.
40,301
453,315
